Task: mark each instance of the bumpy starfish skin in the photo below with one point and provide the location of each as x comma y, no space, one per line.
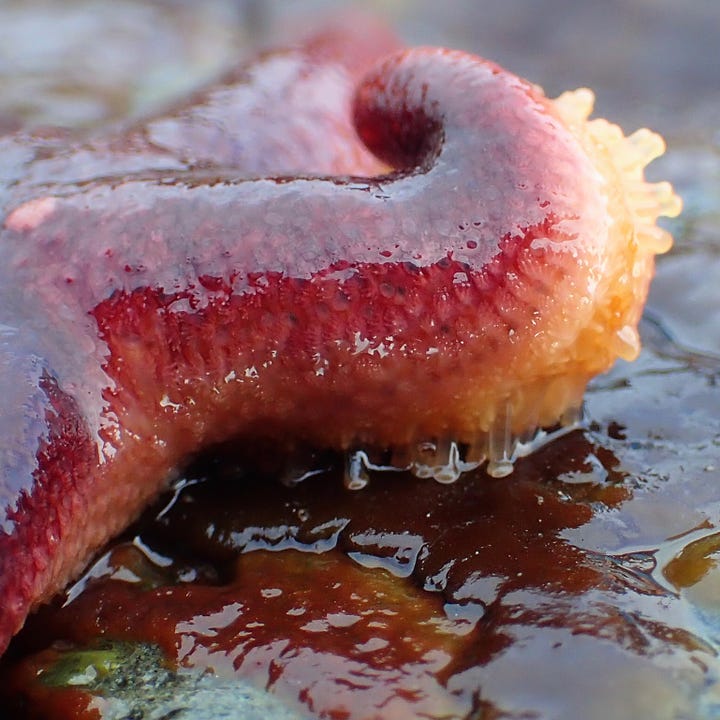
256,119
146,316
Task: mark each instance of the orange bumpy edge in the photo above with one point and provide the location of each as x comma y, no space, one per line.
634,203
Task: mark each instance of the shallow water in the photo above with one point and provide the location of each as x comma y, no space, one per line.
585,584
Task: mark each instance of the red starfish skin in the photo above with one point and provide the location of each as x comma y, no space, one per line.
256,119
144,317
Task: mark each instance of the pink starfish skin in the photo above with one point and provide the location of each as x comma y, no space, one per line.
256,120
154,302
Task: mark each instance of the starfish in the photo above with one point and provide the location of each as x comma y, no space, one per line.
426,258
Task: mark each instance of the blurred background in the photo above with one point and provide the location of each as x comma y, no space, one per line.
651,62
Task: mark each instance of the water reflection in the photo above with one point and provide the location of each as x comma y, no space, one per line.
522,585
